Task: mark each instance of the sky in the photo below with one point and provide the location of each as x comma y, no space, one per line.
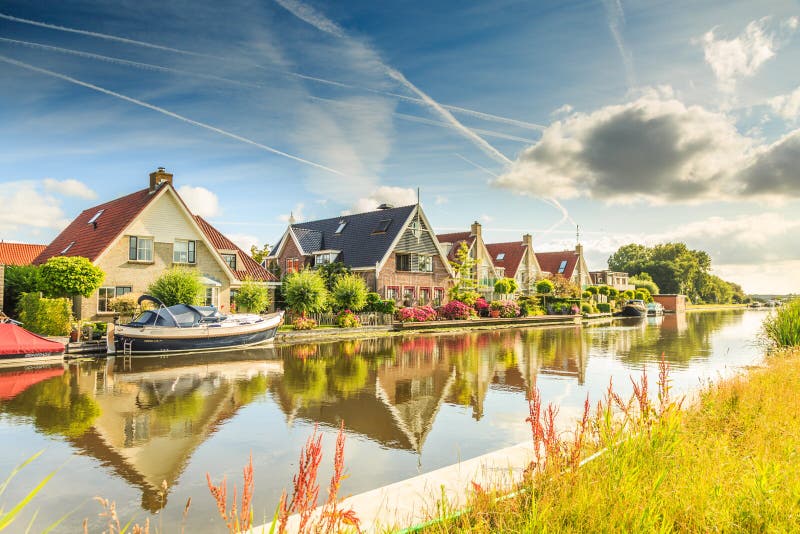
636,122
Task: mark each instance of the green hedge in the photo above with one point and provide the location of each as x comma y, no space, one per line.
604,307
48,317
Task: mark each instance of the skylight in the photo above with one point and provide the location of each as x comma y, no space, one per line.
382,226
68,247
562,267
342,224
501,256
95,217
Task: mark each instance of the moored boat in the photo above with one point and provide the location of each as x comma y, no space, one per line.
655,309
188,328
633,308
20,347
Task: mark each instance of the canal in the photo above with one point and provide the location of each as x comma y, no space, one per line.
409,404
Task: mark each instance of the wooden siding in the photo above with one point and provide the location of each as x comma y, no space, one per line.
165,222
422,245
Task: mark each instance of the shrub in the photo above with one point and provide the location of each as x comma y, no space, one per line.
593,290
506,286
252,297
507,308
643,294
48,317
347,319
604,307
350,292
586,308
20,279
613,292
603,290
628,294
455,310
644,283
417,314
63,276
782,327
468,297
124,305
374,303
544,286
388,306
304,323
177,286
586,295
529,306
481,306
305,292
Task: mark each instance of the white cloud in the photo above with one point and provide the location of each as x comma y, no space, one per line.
244,241
566,109
768,278
69,188
740,57
486,218
200,201
440,199
25,204
396,196
787,106
297,214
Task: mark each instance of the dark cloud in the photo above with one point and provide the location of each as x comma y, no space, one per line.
775,170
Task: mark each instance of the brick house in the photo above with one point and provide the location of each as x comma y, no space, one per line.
134,238
484,274
393,249
568,263
516,259
15,254
617,280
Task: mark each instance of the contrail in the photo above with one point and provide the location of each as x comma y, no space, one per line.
166,112
477,166
160,68
616,19
457,109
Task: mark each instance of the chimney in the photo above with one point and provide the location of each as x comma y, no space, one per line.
158,177
385,206
475,229
527,240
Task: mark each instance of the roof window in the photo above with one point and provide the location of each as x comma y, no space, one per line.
96,216
562,267
342,224
501,256
382,226
66,249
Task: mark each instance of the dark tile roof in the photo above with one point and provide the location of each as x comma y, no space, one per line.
359,243
247,267
19,253
90,240
514,252
550,261
456,238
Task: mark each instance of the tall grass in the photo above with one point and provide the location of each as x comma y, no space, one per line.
728,464
782,327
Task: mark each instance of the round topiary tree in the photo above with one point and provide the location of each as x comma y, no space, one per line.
177,286
350,292
305,292
593,290
506,286
544,286
252,297
603,290
69,276
613,292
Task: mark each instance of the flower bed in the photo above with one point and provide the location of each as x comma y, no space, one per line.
416,314
455,310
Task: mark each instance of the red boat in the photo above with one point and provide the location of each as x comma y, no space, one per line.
20,347
12,383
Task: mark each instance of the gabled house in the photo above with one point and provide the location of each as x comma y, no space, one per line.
15,254
393,249
484,274
617,280
134,238
516,259
567,263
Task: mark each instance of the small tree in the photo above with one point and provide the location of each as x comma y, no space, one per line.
506,286
177,286
259,254
331,272
19,279
305,292
593,290
544,286
603,290
252,297
464,288
350,292
69,276
643,283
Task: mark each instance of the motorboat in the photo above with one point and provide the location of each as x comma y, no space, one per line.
20,347
189,328
655,309
633,308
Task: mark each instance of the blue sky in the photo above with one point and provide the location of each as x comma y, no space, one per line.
639,121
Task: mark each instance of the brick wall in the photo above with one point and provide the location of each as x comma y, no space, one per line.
290,250
672,303
2,284
391,277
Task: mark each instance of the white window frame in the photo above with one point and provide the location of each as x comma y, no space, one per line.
213,297
102,301
140,240
187,255
226,255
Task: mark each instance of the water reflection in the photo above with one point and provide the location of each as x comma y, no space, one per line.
145,420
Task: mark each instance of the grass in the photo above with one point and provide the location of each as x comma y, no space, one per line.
782,327
730,463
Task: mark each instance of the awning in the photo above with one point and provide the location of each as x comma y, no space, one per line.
206,281
17,340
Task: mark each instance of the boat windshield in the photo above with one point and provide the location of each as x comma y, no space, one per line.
180,315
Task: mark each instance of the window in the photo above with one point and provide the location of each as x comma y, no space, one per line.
230,259
68,247
382,226
424,296
96,216
184,251
414,227
438,296
562,267
292,265
121,290
425,264
414,263
403,262
211,296
342,224
233,299
140,248
409,294
392,292
501,256
325,258
105,294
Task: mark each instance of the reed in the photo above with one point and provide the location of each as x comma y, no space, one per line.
782,327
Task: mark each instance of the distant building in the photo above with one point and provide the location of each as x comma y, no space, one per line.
134,238
393,249
617,280
484,274
15,254
568,263
516,259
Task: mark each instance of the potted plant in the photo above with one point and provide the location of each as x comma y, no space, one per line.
494,308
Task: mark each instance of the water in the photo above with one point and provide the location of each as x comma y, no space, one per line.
410,404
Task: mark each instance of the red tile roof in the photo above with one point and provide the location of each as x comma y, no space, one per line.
90,240
456,238
550,262
19,253
247,267
514,252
